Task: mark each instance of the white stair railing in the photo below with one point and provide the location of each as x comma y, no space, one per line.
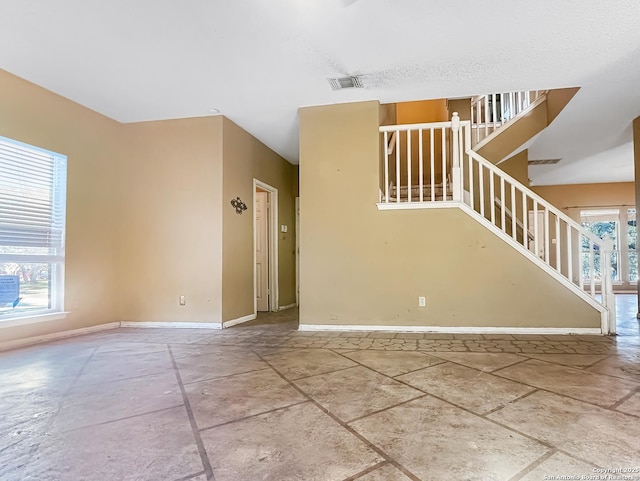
417,165
450,172
492,111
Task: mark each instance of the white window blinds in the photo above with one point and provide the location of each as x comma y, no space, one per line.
32,200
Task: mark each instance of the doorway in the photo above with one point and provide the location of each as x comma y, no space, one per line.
265,242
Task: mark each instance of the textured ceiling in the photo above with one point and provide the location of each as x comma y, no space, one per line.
258,61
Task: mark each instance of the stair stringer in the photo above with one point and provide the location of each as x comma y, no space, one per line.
502,142
604,312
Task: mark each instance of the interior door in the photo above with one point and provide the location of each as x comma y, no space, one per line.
262,251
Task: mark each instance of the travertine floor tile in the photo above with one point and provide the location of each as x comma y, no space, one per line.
575,360
424,434
455,383
296,443
577,383
218,401
604,437
26,416
115,366
28,370
211,366
188,350
631,406
626,366
129,347
485,361
560,466
393,363
307,362
86,405
159,445
355,392
385,473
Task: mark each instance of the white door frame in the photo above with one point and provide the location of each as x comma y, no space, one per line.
297,217
272,221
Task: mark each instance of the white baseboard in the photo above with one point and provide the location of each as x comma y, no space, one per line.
172,325
288,306
454,330
57,335
240,320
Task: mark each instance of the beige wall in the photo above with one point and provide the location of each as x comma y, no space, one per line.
557,100
145,205
517,167
246,158
462,106
90,141
422,111
572,197
364,266
170,185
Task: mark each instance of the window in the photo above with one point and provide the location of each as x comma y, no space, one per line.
32,230
620,226
632,253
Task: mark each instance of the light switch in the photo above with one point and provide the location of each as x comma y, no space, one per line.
283,228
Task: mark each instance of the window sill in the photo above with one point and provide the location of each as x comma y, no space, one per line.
32,319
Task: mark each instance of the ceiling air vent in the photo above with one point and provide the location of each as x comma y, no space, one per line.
341,83
544,161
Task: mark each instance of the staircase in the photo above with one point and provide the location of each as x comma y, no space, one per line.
437,165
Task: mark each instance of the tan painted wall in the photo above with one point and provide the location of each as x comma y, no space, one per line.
557,100
90,141
171,235
363,266
145,210
576,196
422,111
388,114
517,167
245,158
462,106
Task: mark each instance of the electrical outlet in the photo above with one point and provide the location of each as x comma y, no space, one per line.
422,301
183,300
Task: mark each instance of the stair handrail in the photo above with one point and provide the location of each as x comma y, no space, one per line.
555,235
550,207
605,246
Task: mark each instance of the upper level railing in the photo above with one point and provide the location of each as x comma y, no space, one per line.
433,164
492,111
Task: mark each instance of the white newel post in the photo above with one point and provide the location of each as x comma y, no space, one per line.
456,177
608,298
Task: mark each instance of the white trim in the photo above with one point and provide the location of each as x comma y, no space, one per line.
239,320
57,335
273,246
453,330
32,319
297,220
172,325
288,306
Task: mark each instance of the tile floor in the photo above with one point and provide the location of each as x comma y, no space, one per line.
264,401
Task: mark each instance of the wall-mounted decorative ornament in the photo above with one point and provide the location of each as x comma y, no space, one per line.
238,205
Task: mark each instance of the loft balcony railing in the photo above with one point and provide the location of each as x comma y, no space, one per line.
492,111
